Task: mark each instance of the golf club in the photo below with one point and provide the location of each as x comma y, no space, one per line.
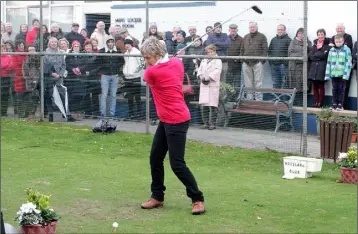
255,8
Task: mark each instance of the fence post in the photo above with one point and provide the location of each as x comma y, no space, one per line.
42,88
147,96
305,80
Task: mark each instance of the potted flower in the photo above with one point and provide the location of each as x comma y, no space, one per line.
348,164
36,216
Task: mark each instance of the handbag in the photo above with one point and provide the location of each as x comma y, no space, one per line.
188,88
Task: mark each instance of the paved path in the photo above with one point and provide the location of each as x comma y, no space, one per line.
242,138
284,142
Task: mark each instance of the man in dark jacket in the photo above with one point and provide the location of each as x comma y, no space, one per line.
234,66
255,44
348,41
222,43
278,48
74,35
111,68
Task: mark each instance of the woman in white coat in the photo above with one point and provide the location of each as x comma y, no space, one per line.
209,74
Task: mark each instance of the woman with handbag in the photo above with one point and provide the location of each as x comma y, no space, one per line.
209,75
188,88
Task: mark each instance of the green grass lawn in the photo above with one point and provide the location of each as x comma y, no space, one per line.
99,179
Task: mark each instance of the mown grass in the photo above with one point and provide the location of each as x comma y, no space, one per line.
99,179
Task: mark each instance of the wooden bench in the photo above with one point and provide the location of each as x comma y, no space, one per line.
280,104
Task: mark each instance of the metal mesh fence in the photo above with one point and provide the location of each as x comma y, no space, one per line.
252,93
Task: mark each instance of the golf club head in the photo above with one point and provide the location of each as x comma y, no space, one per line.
256,9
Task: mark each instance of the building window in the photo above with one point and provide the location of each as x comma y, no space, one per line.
24,3
63,16
62,2
16,16
34,13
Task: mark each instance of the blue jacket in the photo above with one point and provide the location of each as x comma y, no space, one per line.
221,41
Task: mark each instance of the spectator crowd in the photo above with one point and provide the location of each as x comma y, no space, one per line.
88,80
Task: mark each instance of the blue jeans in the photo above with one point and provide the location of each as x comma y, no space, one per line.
109,82
278,73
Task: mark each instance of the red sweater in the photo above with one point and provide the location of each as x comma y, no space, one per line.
19,82
31,36
166,82
6,66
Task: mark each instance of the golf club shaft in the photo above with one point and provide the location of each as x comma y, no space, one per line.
191,43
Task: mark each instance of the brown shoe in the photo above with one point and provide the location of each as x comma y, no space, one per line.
198,208
151,204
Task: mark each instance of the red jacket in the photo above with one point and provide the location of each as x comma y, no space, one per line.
6,66
19,82
31,36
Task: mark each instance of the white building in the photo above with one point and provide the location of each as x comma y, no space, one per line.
185,13
167,14
86,13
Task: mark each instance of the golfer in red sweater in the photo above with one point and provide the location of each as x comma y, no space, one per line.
165,79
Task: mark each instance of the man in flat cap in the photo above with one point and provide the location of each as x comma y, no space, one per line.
74,35
234,66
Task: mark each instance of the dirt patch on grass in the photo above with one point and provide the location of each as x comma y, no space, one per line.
84,207
86,210
133,211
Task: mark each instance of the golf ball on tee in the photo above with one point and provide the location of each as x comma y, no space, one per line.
115,224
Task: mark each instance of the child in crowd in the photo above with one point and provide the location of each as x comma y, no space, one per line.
338,69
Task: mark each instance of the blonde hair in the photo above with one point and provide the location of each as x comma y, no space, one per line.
63,39
154,47
52,39
211,47
93,39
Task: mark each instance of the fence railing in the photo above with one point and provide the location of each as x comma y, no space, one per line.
260,125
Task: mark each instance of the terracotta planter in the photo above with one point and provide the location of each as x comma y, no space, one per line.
39,229
354,137
349,175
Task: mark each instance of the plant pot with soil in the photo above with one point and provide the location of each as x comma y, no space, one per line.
335,134
325,114
36,216
348,164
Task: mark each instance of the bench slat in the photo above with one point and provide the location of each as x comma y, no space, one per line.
262,105
252,111
268,90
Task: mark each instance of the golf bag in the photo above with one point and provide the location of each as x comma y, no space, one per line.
104,126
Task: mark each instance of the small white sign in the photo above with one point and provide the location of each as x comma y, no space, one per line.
300,167
295,168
